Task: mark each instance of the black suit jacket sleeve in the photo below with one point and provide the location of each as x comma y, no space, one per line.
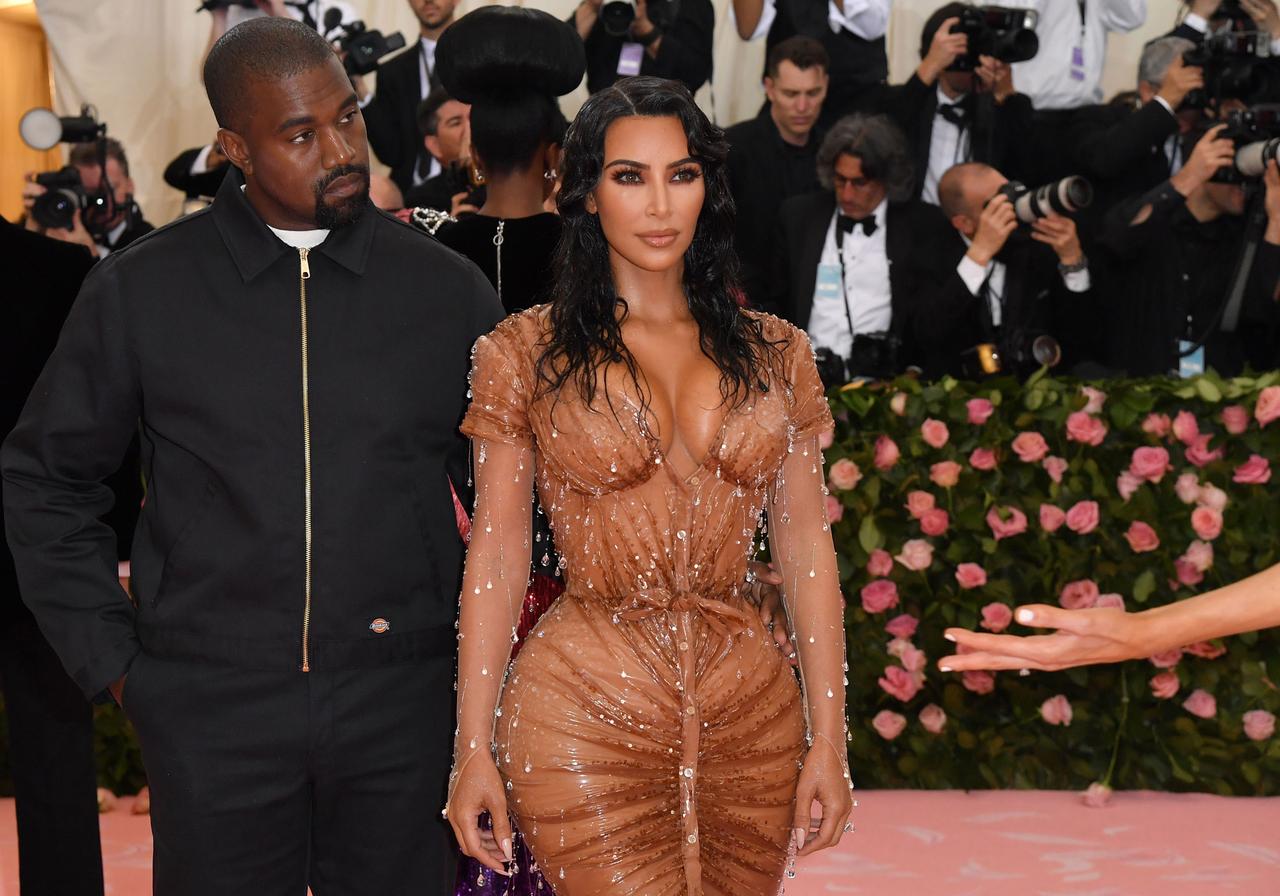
1107,148
72,434
1130,224
390,119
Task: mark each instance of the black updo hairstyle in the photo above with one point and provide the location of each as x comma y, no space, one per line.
510,64
586,328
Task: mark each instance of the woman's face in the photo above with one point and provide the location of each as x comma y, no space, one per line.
650,193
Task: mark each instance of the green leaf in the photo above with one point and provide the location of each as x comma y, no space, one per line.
869,535
1143,586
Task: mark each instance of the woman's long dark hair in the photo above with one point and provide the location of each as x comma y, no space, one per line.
586,329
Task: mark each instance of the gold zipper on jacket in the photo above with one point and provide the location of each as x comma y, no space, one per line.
304,275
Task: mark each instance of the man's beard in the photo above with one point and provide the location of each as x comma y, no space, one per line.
341,212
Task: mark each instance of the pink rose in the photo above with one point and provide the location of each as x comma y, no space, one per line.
1164,685
919,503
913,659
1150,464
1200,555
880,563
1235,418
1255,471
1127,484
1167,659
887,453
996,617
879,596
971,575
1056,711
844,474
1097,796
1096,399
945,473
1268,406
980,410
1207,522
1082,518
1030,447
982,459
1141,537
1258,724
1157,425
902,626
898,404
1212,496
1085,429
1206,650
1052,517
888,724
934,718
1188,488
897,646
978,682
1055,467
935,522
1201,704
917,554
1185,427
1199,454
826,439
835,510
1187,573
898,682
1079,595
1113,601
934,433
1005,522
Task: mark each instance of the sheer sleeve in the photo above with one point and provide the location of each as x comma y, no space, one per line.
810,413
497,568
802,549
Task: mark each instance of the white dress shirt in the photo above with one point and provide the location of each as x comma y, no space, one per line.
868,19
1198,23
1172,145
866,287
948,146
1053,79
993,274
426,64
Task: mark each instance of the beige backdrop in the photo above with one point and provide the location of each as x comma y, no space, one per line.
137,61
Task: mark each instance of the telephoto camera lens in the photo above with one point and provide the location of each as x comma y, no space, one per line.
1061,197
616,16
1253,158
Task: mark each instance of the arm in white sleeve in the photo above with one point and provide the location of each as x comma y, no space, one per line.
1123,15
868,19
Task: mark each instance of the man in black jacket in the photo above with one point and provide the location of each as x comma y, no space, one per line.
859,266
774,156
296,360
679,50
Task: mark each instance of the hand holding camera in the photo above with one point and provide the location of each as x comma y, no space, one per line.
996,223
1212,151
1271,179
1061,235
946,47
995,77
1264,14
76,233
1180,80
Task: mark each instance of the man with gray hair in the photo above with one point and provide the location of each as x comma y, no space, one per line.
1127,150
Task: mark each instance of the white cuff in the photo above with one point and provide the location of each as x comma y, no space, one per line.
1196,23
1077,281
201,163
973,274
361,103
1275,46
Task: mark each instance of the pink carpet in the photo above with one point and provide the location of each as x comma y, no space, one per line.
914,843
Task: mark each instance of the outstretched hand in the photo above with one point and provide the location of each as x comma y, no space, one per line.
1082,638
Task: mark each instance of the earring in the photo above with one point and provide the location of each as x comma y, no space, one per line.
477,176
549,174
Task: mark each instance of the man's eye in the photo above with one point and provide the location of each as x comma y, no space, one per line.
302,138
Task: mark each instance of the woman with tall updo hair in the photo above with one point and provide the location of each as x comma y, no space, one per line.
510,64
649,738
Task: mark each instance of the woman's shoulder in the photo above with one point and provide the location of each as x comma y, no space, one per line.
783,335
521,333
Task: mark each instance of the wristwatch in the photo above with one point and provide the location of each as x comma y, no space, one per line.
1076,268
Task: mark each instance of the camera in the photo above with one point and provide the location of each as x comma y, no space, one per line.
362,47
1007,34
1256,133
1061,197
1231,63
1019,353
65,193
616,16
873,356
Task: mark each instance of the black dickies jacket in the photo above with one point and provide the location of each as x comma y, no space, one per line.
295,436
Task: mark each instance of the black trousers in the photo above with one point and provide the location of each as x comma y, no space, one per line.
265,783
51,754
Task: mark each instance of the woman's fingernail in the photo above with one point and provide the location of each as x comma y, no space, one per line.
797,838
945,668
506,848
950,637
1025,616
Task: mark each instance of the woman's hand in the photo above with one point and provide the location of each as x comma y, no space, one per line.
764,591
1083,637
478,789
824,778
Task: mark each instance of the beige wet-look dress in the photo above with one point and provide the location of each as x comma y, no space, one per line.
650,733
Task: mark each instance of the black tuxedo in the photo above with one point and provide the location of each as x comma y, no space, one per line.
684,54
1122,152
764,170
391,119
921,246
178,175
998,134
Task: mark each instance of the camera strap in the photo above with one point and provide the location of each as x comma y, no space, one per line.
1254,224
844,289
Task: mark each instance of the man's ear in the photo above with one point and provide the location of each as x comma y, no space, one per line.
235,149
432,143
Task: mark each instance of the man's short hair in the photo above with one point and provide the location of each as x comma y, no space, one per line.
86,154
1158,55
802,52
428,114
877,143
951,198
265,49
934,22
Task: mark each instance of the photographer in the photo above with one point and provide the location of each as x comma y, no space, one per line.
952,116
857,266
198,171
679,49
99,236
1127,151
227,14
1013,284
404,81
445,125
1175,250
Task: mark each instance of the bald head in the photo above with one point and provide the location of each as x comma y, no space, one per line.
967,187
262,50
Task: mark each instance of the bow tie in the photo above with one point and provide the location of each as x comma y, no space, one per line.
955,113
868,224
